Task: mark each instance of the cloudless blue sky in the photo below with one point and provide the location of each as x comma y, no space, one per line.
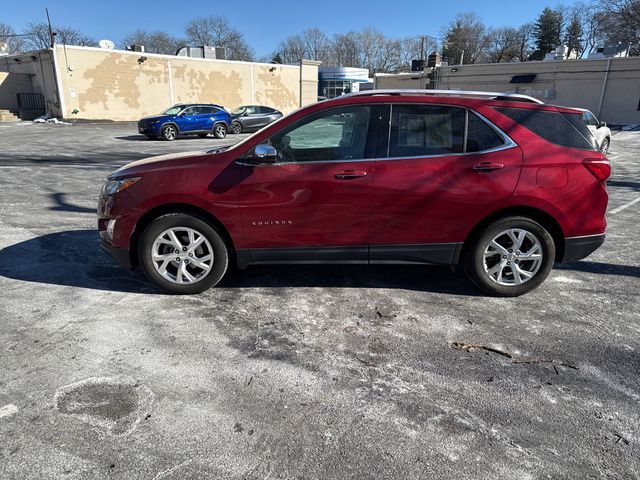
263,22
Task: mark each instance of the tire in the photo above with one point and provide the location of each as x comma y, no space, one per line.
169,133
220,130
604,148
495,273
236,127
203,135
166,271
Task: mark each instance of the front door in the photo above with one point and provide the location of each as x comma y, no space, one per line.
446,169
188,120
313,203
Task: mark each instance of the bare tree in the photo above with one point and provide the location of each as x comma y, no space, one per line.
591,16
154,42
317,45
345,50
525,41
7,35
39,38
465,39
216,32
503,44
377,52
292,49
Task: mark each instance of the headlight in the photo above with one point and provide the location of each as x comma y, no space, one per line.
115,186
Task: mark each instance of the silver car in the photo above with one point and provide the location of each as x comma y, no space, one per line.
250,118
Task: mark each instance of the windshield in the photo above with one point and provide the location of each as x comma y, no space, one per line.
173,110
238,111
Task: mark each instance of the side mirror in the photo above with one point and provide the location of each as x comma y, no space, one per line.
602,124
265,154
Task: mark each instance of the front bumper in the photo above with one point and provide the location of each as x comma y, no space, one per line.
121,255
577,248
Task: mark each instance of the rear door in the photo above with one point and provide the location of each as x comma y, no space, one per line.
313,204
446,168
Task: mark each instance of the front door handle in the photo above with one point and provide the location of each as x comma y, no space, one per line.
487,167
349,174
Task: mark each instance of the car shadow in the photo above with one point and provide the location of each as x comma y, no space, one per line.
74,258
63,206
142,138
601,268
71,258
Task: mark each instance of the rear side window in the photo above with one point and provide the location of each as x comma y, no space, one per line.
567,130
418,130
480,136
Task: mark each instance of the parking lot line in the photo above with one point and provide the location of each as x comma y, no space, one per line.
626,205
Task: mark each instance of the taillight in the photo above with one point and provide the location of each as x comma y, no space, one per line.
598,167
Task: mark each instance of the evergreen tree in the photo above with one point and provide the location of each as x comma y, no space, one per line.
573,37
548,30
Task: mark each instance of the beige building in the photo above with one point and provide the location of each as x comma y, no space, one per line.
610,88
92,83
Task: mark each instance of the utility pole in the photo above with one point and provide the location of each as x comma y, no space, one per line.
422,40
51,38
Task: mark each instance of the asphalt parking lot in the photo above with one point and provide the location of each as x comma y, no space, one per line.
299,372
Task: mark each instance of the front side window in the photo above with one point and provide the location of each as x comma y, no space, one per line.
189,111
173,110
420,130
336,134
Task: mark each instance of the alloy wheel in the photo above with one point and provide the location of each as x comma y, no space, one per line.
512,257
220,131
236,127
170,133
182,255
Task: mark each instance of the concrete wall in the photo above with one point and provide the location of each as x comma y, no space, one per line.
119,85
575,83
30,72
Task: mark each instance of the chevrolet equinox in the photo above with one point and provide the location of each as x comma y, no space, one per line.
501,185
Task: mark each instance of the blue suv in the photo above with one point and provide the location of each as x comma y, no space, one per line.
187,119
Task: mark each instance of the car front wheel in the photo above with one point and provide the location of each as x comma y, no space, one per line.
510,257
169,133
236,127
183,254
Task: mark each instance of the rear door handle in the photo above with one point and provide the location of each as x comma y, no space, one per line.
349,174
487,167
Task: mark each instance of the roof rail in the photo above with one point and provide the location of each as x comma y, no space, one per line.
516,97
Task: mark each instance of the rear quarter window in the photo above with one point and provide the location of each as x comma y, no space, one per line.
564,129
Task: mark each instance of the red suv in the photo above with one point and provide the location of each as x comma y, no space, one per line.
499,184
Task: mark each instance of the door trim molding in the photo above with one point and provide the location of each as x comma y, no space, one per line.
421,254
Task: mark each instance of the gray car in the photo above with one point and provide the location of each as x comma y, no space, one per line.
249,118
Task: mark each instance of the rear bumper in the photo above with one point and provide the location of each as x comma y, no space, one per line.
577,248
121,255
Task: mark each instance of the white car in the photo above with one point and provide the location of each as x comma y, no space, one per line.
598,129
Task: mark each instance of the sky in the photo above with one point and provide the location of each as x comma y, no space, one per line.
264,23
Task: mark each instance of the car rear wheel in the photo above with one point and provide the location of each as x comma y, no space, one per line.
183,254
604,148
236,127
510,257
169,132
219,130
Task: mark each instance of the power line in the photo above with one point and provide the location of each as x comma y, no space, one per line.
18,35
